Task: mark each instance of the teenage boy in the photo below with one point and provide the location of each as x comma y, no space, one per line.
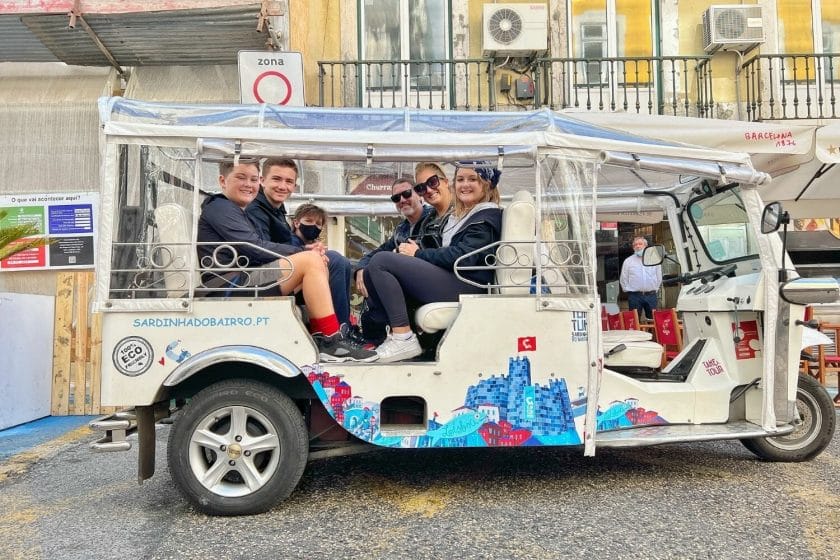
268,213
223,220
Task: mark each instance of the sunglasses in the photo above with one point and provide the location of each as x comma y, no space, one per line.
432,182
406,194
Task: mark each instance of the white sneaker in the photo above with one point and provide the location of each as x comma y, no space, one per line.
394,350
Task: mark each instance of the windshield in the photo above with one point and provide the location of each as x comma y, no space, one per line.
721,221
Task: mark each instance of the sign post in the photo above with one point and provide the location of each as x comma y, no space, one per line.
271,77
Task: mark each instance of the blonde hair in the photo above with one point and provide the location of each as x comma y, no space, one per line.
423,165
489,195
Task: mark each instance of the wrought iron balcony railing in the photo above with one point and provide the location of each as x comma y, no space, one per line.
465,84
792,86
664,85
671,85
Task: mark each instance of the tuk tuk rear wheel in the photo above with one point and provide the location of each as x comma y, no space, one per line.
238,448
812,432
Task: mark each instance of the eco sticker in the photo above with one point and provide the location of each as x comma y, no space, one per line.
133,356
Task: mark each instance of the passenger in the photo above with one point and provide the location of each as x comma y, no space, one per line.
223,220
411,207
268,213
433,186
427,275
307,225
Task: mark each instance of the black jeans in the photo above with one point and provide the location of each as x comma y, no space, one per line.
391,277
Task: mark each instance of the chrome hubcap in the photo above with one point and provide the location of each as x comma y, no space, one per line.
234,451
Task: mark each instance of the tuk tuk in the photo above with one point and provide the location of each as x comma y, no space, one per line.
526,362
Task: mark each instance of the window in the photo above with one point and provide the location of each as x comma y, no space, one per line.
405,30
808,26
611,29
594,46
721,221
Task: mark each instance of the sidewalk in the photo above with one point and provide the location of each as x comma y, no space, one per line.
32,434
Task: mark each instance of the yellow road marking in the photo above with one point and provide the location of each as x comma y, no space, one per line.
820,511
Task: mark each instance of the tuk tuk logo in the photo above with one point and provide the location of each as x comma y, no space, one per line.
133,356
713,366
579,327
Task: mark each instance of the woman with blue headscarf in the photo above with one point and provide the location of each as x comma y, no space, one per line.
427,275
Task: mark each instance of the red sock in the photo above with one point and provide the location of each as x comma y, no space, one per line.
327,326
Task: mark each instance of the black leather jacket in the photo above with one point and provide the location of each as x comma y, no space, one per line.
481,229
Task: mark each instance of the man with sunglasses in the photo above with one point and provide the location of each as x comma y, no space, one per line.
409,206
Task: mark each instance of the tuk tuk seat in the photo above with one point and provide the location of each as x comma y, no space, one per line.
519,228
174,247
640,351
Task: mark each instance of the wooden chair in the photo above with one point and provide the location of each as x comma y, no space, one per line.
829,355
615,322
668,333
630,319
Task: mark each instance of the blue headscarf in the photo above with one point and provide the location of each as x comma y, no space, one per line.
484,170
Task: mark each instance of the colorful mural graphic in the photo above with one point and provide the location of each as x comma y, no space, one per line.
626,414
505,410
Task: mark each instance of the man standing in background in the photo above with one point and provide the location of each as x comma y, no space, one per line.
640,283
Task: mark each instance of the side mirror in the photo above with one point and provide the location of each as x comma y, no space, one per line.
653,255
806,291
771,218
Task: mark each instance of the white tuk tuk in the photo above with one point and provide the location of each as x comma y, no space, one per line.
525,364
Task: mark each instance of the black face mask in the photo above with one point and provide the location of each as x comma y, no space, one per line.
309,233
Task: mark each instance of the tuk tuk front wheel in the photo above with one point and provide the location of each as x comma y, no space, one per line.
812,432
238,448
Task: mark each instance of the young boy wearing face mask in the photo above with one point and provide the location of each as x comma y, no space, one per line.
307,225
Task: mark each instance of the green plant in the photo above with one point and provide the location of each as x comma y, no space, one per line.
11,236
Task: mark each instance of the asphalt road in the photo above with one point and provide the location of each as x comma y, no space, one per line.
710,500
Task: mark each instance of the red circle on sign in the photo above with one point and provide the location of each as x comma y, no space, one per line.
279,75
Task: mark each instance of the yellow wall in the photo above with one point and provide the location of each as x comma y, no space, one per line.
691,43
315,32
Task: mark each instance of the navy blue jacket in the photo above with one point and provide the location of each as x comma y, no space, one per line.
402,233
271,222
481,229
222,221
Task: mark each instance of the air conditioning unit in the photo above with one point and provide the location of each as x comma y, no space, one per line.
732,28
515,29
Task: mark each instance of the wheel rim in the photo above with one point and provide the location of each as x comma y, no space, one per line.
234,451
806,429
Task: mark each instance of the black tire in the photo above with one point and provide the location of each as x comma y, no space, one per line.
221,475
811,435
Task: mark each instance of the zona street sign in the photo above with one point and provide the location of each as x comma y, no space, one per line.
271,77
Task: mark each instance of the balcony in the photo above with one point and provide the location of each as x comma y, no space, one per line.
792,86
464,84
651,85
665,85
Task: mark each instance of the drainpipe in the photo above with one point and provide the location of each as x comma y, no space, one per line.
739,62
657,46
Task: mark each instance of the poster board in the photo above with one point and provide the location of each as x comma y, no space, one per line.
68,219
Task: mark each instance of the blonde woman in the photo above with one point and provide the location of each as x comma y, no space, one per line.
427,274
433,187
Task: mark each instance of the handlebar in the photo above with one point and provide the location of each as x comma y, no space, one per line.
689,277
